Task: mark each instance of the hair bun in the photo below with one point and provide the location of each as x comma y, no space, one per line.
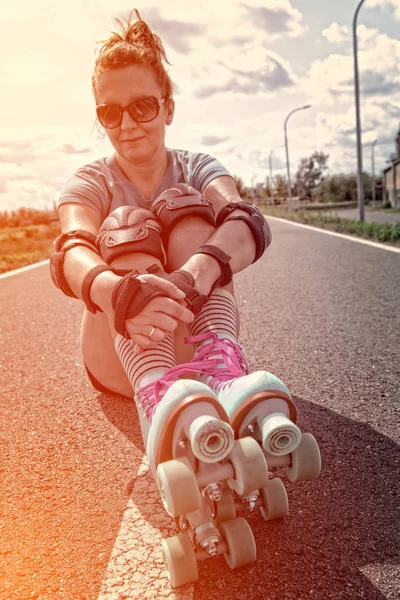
133,43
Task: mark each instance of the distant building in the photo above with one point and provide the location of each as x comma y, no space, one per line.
391,177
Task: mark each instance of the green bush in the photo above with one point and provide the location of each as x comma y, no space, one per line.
374,231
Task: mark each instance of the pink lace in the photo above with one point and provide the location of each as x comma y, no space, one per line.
150,395
221,359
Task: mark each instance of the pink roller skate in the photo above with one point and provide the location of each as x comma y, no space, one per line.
195,459
258,405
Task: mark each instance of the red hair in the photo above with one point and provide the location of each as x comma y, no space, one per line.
134,44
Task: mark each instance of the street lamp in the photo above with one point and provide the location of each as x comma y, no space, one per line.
270,164
287,152
360,183
270,159
373,170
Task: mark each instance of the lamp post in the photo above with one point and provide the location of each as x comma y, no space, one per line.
373,170
270,159
360,183
270,163
287,152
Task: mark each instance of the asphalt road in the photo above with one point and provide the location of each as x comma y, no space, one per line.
80,516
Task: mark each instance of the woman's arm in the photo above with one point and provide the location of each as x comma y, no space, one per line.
80,260
233,237
163,312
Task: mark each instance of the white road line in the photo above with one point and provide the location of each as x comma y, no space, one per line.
136,570
340,235
23,269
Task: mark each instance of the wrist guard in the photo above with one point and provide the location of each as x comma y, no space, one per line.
185,282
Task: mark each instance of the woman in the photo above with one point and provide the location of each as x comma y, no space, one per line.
178,215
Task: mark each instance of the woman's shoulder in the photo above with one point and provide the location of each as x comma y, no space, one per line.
100,166
199,168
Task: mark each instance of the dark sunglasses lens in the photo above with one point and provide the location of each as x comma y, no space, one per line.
144,110
109,116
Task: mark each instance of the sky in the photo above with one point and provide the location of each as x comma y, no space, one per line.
239,67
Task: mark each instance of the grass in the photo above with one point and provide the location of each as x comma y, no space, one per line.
380,232
22,246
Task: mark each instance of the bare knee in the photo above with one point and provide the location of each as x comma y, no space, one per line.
185,238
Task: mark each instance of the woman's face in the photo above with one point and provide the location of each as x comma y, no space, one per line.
134,142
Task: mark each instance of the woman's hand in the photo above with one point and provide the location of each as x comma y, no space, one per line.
160,316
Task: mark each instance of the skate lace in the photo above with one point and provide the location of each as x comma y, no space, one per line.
150,395
221,359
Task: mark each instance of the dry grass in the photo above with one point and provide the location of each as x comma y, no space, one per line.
22,246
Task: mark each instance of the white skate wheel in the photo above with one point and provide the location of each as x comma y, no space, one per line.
280,435
240,541
180,560
249,465
225,507
178,487
211,439
305,460
276,505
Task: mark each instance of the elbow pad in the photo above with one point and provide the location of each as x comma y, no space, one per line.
254,220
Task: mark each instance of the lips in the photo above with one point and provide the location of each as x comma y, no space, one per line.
132,140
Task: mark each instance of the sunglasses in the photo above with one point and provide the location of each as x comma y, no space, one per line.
142,110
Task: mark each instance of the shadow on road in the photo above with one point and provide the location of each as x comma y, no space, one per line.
341,528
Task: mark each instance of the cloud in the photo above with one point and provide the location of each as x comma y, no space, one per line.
71,149
337,34
384,4
233,58
332,78
177,34
213,140
35,165
275,18
254,72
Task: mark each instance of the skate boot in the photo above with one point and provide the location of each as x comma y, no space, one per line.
197,463
258,405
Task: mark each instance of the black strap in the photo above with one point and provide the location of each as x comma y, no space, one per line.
223,260
185,282
87,284
129,298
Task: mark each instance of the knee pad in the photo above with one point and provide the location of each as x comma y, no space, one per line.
130,229
179,202
255,221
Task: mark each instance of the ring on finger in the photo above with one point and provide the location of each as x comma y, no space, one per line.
152,332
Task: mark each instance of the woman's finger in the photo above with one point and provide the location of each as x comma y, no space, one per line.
144,341
143,322
172,308
163,285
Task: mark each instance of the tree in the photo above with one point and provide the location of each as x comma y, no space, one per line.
342,188
240,186
280,186
310,174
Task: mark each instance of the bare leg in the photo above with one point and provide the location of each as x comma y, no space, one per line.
188,235
98,335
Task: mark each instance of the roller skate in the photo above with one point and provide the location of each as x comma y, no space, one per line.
259,405
197,463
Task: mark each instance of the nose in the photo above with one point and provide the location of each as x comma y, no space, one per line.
127,122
